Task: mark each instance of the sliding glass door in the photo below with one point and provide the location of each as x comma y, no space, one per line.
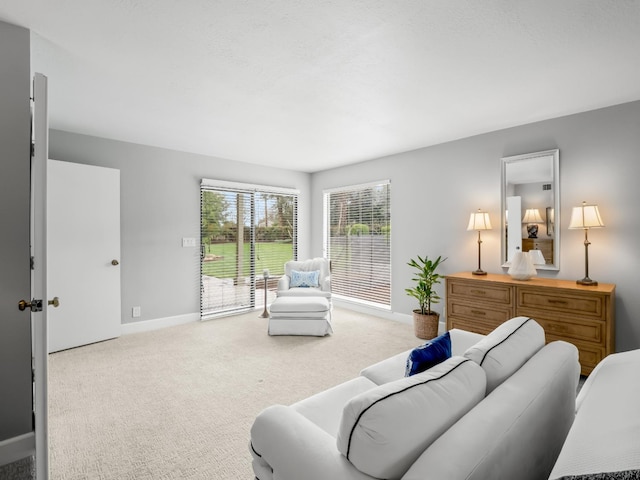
246,230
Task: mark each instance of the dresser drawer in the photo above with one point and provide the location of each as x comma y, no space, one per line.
560,302
585,330
474,326
475,291
589,354
582,315
494,314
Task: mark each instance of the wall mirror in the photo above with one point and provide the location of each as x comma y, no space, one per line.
531,207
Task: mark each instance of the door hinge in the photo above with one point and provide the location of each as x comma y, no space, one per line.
32,263
33,149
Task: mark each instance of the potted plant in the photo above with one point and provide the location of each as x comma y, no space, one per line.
425,320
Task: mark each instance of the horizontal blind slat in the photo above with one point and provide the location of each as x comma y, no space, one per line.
357,241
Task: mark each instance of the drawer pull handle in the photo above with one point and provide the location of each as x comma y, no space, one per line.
478,312
479,292
559,302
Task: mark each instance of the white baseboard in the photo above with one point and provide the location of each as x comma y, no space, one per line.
158,323
16,448
370,310
388,314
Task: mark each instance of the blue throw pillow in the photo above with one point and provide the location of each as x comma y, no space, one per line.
426,356
304,279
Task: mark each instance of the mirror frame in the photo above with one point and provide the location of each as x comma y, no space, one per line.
555,185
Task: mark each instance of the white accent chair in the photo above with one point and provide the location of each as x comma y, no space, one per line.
315,264
302,310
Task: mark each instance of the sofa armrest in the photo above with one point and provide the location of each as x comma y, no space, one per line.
283,283
517,431
605,436
291,447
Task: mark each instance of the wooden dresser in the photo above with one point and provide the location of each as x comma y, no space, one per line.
545,245
567,311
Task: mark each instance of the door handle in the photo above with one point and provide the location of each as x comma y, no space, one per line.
115,262
36,305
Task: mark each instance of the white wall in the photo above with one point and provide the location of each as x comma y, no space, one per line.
435,189
160,204
15,329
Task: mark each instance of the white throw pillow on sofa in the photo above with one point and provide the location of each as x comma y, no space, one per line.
506,349
384,430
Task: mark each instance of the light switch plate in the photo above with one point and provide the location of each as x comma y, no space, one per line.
188,242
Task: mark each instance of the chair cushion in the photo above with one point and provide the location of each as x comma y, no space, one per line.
299,305
319,263
304,279
385,429
428,355
506,349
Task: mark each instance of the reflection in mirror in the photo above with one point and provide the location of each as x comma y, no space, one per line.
531,207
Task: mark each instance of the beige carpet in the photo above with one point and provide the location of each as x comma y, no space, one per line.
178,403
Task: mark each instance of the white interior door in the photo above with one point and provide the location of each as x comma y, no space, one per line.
83,253
38,234
514,226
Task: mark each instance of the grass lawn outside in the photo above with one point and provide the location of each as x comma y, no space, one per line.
220,259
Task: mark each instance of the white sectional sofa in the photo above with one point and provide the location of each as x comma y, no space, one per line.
499,408
604,440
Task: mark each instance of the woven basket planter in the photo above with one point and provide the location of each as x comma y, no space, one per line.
426,326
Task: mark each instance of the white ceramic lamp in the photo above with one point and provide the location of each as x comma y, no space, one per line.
522,266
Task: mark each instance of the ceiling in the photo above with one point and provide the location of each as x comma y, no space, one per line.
310,84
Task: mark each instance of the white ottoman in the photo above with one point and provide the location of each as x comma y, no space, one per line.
300,316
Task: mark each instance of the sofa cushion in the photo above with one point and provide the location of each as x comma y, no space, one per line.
393,368
385,429
325,408
428,355
506,349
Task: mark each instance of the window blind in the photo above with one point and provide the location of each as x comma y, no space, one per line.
245,230
357,240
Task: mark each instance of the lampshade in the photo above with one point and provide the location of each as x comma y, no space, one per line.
479,221
536,257
532,215
586,216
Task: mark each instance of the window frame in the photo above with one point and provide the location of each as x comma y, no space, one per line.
382,271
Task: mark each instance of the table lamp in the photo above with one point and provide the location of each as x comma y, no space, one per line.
586,217
532,218
479,221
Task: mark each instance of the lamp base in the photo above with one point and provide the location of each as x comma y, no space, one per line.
479,272
587,281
